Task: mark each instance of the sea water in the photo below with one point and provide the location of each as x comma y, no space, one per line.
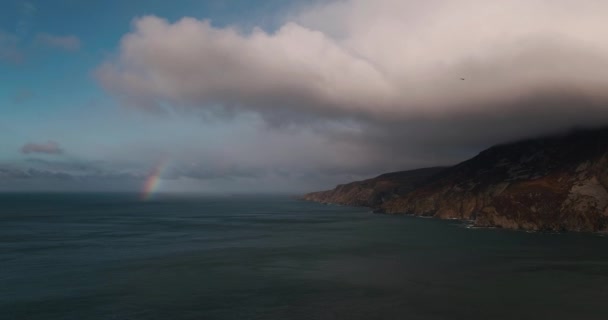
113,256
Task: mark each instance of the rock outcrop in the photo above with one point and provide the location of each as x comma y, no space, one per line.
556,183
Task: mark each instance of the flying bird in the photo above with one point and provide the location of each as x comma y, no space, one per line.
461,78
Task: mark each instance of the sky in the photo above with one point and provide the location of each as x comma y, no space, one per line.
283,96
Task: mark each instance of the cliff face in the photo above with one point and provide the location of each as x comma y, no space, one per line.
555,184
374,192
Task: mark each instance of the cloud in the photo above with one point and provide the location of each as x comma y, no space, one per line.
22,95
391,59
13,49
71,174
30,179
67,43
10,50
49,147
26,14
388,71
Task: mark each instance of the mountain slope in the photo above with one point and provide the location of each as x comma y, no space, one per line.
554,183
374,192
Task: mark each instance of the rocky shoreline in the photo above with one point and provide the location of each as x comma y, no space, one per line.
557,183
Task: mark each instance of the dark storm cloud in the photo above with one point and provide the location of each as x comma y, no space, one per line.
61,182
215,172
451,138
49,147
73,167
73,176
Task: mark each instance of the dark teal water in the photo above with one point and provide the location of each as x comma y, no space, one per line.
114,257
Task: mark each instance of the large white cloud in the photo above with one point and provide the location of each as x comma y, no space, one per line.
381,58
392,68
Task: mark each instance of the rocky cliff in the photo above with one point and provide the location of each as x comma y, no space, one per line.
555,183
374,192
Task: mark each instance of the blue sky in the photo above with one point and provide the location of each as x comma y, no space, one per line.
289,96
51,94
52,88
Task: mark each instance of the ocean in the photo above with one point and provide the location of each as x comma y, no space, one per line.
113,256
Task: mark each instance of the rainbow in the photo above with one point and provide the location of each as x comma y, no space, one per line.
152,181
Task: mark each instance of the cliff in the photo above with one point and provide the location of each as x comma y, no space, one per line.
376,191
556,183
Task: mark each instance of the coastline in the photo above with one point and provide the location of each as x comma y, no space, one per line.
466,223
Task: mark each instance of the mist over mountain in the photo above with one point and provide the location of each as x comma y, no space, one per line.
553,183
